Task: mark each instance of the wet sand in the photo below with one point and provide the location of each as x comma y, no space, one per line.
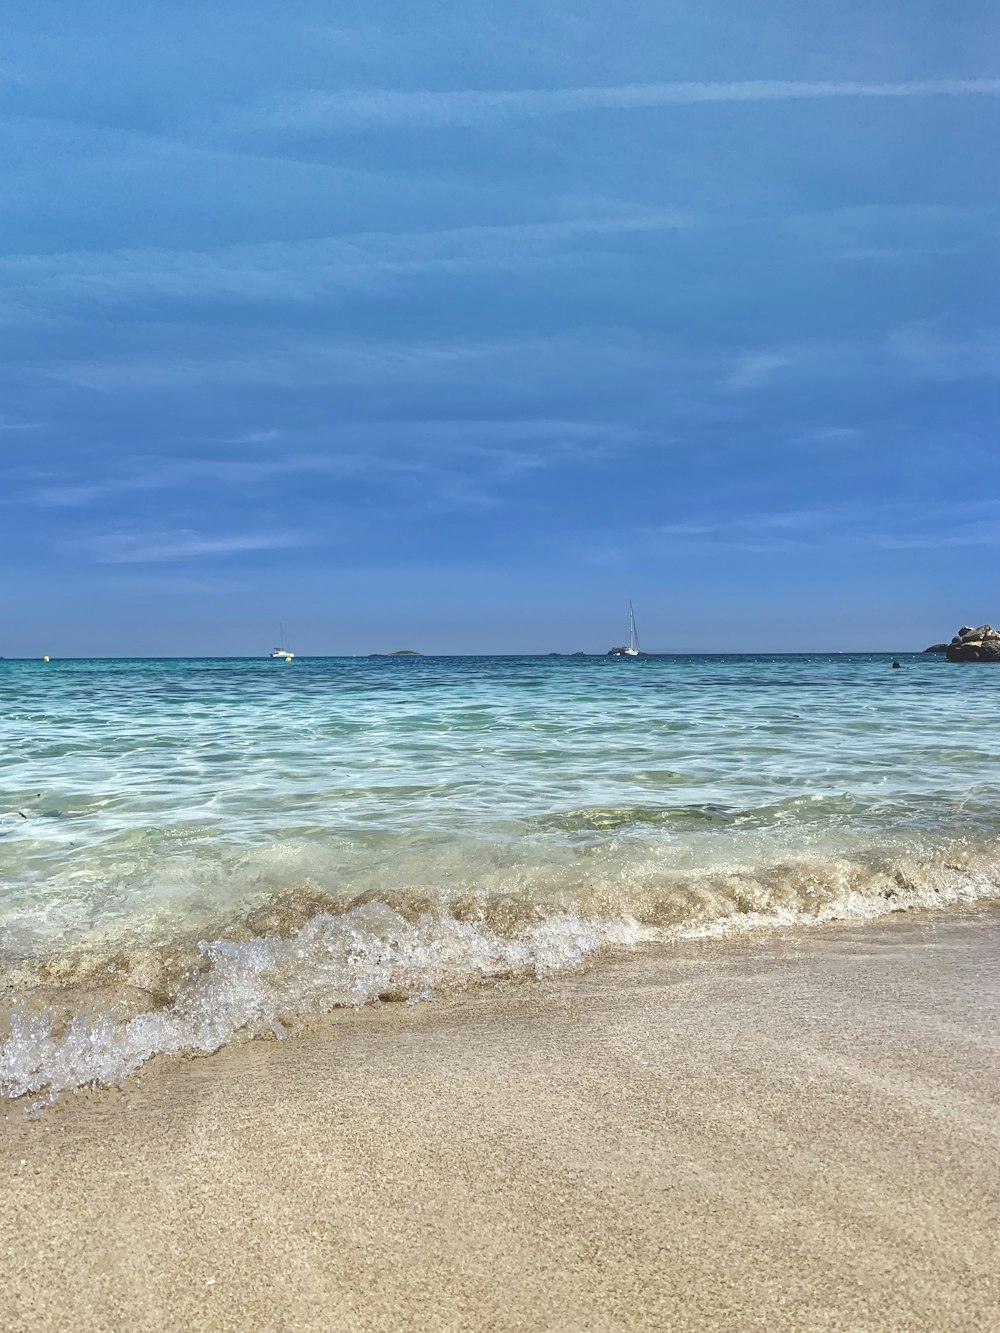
800,1132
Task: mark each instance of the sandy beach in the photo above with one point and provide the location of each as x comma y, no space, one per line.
797,1131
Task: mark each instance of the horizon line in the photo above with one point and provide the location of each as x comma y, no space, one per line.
400,654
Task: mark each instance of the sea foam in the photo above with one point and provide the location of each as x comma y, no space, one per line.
91,1017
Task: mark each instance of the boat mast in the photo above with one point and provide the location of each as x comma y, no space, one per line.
633,640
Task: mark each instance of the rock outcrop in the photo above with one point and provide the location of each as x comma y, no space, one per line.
972,645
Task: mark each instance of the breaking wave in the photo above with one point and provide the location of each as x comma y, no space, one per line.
79,1018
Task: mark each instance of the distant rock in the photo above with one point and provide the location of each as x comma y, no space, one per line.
981,644
937,648
406,652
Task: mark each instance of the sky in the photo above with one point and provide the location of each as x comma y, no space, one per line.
454,326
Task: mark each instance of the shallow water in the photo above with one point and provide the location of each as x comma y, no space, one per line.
191,849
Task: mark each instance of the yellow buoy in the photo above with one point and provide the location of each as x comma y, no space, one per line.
45,659
288,659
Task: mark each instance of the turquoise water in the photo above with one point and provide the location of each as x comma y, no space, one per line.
195,849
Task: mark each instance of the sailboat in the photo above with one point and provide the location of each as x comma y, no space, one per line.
282,652
631,649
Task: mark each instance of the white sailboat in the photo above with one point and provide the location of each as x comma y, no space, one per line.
282,652
631,649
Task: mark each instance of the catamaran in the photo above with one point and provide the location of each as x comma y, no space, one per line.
281,652
631,649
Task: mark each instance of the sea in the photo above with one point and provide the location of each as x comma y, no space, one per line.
196,851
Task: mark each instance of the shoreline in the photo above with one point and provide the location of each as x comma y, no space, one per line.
796,1131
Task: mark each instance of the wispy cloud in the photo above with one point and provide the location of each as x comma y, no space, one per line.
263,358
472,106
890,526
68,497
984,533
900,254
756,368
298,270
201,585
450,464
929,349
255,437
133,548
230,474
917,351
7,423
292,271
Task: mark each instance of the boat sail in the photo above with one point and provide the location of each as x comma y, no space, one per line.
286,653
631,649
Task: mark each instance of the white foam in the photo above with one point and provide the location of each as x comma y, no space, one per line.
270,985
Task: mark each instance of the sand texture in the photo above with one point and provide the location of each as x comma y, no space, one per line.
797,1132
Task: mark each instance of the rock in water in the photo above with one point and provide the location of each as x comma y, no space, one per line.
974,645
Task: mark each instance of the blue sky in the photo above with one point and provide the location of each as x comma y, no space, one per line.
455,325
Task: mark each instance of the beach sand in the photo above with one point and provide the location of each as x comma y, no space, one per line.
798,1131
